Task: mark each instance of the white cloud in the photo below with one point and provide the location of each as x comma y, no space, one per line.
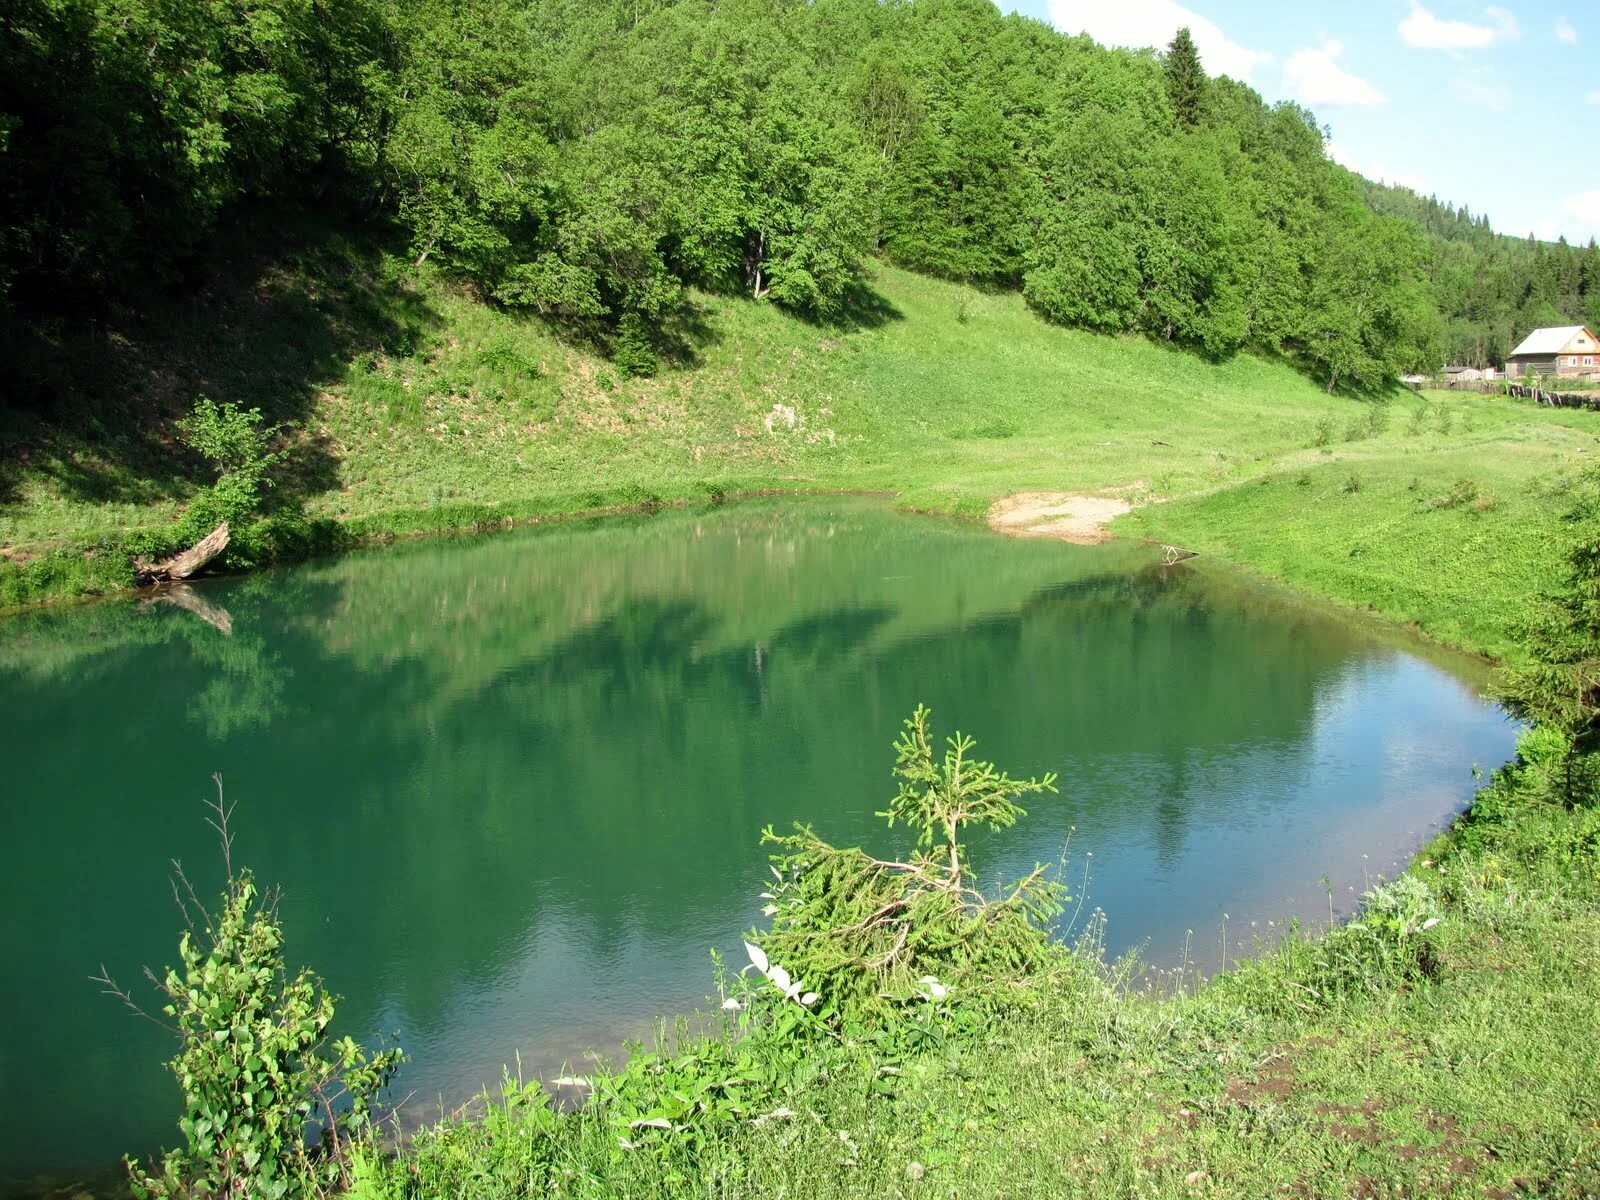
1482,92
1424,31
1315,77
1342,154
1565,33
1142,23
1578,220
1594,96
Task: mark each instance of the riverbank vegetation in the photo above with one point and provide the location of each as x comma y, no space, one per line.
493,261
949,397
1438,1045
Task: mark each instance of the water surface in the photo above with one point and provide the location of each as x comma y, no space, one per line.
512,787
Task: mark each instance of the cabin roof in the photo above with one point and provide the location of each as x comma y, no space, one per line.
1551,340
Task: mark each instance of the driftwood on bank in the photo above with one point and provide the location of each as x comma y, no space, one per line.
185,564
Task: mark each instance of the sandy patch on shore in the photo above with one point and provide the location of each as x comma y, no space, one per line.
1065,515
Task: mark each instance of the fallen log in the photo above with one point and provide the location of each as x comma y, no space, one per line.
184,564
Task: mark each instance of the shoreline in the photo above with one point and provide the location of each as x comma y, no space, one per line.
1087,520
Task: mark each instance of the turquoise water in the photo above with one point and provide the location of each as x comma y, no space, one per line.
512,787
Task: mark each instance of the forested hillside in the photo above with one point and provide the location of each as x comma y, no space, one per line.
590,162
1491,289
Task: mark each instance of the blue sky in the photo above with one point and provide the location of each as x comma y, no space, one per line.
1496,107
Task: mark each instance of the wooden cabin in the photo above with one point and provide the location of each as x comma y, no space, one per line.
1557,350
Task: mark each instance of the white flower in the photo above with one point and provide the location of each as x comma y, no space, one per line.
808,999
1430,923
731,1005
933,989
768,910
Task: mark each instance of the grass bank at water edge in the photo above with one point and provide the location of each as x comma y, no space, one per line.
421,409
1387,1060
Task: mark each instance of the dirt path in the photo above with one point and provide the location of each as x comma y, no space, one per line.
1065,515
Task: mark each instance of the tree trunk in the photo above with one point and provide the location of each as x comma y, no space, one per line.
181,566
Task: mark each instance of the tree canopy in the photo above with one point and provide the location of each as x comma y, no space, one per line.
593,162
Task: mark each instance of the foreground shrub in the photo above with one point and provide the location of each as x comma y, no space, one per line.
1559,687
236,445
272,1107
867,934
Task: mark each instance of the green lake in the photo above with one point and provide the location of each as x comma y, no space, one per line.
512,786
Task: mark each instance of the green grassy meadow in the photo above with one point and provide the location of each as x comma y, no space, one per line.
422,409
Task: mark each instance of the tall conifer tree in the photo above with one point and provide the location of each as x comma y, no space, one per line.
1186,79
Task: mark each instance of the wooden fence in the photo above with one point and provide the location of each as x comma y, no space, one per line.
1589,400
1503,387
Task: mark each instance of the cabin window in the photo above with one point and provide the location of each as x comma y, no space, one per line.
1588,360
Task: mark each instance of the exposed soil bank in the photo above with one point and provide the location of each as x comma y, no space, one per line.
1065,515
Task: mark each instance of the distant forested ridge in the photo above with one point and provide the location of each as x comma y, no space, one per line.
592,162
1491,289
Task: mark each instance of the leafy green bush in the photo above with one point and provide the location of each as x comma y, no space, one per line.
233,440
633,350
255,1063
504,358
1462,491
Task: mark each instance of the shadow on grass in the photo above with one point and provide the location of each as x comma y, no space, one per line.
861,307
269,322
683,334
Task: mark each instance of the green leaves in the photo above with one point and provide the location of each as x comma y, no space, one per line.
940,799
869,935
1559,687
131,125
594,165
237,446
254,1063
1185,79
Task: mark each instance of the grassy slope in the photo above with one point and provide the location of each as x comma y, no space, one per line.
946,396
